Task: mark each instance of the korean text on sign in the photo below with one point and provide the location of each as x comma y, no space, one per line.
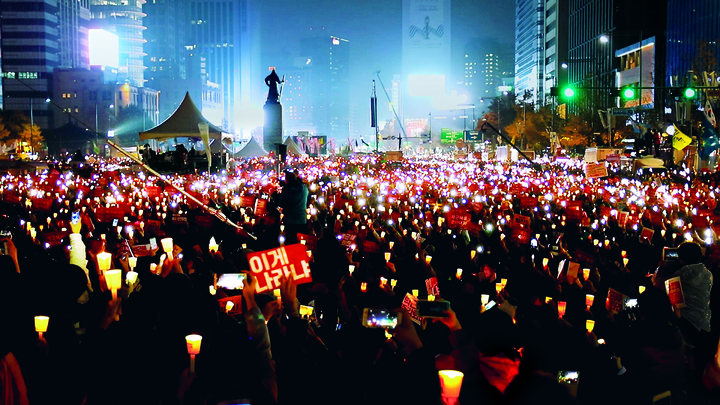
269,265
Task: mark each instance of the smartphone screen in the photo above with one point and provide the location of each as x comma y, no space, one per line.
153,244
115,222
670,254
75,217
380,318
571,379
432,309
490,304
232,281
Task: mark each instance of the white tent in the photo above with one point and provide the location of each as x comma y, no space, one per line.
250,150
293,148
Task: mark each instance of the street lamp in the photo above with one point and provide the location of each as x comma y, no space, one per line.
605,38
32,124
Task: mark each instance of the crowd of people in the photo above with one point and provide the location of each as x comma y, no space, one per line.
556,284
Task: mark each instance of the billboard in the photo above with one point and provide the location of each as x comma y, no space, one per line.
630,71
104,48
415,127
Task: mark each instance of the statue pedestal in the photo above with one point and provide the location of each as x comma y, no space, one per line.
272,130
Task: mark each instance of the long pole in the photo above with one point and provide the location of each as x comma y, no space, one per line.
391,104
32,124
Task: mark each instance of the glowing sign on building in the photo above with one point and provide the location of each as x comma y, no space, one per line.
104,48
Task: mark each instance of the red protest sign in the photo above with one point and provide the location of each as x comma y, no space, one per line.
674,290
612,158
458,218
585,258
410,304
348,240
204,221
105,214
623,218
432,287
260,207
142,250
310,241
235,308
53,238
247,201
646,235
269,265
615,301
42,204
521,222
528,202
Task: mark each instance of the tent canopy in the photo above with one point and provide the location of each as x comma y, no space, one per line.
183,123
293,148
251,149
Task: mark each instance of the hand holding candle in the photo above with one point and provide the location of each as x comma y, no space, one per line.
561,306
167,245
104,261
450,383
113,278
589,325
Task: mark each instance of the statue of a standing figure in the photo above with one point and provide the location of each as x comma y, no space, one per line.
272,81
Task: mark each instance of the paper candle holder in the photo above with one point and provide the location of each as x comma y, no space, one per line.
450,383
586,274
104,261
167,245
561,306
428,259
589,325
131,277
415,292
132,262
484,298
193,347
351,268
113,279
589,299
498,287
387,256
41,324
213,246
363,286
458,273
431,297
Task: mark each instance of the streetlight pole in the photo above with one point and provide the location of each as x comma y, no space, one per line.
32,125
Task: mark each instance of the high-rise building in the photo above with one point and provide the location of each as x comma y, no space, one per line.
165,53
125,19
73,22
530,50
693,31
224,33
556,45
599,28
297,98
29,55
329,61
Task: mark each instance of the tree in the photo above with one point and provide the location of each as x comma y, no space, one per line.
577,132
17,132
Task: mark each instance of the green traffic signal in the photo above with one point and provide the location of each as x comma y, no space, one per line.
569,92
629,93
689,93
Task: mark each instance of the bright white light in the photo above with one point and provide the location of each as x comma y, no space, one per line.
104,48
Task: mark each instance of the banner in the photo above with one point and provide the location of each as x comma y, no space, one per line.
528,202
521,222
105,214
247,201
269,265
260,207
458,218
432,287
410,304
142,250
348,240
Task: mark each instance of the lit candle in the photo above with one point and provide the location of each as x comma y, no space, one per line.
431,297
472,254
586,274
383,281
131,277
309,253
351,268
303,241
393,283
113,279
415,292
363,286
213,246
428,259
589,325
104,260
387,256
458,274
229,306
213,291
498,287
153,267
450,382
503,281
167,244
589,298
642,289
548,300
41,324
193,348
132,262
623,253
561,308
545,262
484,298
625,261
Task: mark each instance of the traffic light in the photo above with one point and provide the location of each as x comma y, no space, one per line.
569,92
554,91
628,92
689,93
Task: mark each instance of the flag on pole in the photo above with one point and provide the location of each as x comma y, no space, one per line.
709,114
680,140
710,139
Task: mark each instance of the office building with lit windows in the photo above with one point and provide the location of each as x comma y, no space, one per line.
29,56
73,22
530,49
124,18
693,28
556,46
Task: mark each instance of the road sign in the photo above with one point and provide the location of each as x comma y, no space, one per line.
473,136
621,111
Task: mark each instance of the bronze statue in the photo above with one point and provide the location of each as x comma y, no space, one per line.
272,81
